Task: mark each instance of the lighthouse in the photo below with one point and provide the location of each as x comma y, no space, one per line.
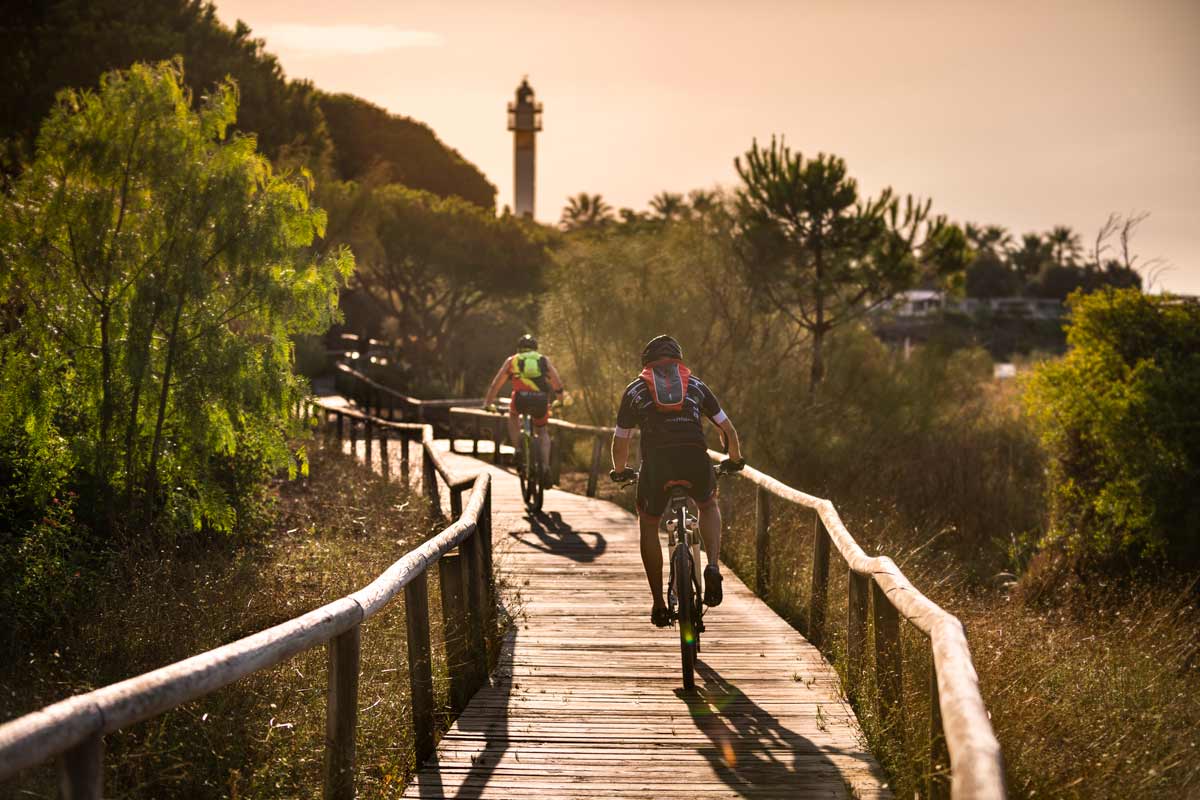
524,120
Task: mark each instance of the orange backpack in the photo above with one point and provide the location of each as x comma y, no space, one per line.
667,380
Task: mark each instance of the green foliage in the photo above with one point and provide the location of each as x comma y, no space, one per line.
1118,416
428,265
821,255
160,267
585,212
371,142
71,43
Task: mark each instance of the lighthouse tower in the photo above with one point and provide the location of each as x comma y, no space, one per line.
524,120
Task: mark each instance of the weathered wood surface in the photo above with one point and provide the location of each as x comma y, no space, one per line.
586,700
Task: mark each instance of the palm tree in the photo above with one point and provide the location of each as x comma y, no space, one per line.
1064,245
703,202
991,239
668,206
585,211
1031,256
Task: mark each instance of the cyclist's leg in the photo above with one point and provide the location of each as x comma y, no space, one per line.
651,500
514,423
542,434
541,418
652,558
710,529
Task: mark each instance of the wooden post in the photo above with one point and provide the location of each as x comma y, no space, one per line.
594,475
384,458
856,626
473,577
353,437
369,435
475,438
420,664
485,541
939,754
820,583
429,479
497,437
81,770
456,493
887,657
405,465
341,715
762,541
341,433
454,629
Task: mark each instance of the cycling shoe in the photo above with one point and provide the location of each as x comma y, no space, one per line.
712,586
660,616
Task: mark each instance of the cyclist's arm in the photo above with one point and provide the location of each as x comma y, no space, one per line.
620,448
731,436
498,381
555,381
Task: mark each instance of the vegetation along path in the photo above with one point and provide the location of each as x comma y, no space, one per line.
586,699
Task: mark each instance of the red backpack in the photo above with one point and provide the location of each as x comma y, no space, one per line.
667,380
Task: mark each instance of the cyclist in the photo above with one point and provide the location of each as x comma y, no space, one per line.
667,403
533,380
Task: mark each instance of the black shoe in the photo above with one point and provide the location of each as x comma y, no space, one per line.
660,616
712,586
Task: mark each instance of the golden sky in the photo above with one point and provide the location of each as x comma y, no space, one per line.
1023,114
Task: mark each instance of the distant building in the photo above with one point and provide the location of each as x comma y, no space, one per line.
524,120
925,303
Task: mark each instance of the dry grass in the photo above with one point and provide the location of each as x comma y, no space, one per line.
1101,700
262,737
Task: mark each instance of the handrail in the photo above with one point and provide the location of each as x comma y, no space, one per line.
977,767
74,727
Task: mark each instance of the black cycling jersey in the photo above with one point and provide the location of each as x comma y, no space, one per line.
672,428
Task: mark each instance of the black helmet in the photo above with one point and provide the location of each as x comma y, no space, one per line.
527,342
661,347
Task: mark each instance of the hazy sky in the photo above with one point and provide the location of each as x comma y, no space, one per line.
1026,115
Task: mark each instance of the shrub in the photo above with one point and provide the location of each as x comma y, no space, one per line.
1118,416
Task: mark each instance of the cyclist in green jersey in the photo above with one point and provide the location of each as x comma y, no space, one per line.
534,380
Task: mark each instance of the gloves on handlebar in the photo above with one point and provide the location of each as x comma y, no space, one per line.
623,476
492,408
730,465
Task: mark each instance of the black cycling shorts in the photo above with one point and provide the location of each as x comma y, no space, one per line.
665,464
535,404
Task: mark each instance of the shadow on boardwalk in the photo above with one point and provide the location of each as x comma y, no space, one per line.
749,748
550,533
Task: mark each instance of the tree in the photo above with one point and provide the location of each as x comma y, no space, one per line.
991,239
161,267
668,206
586,211
60,44
1031,257
822,256
368,138
1118,417
425,263
1064,246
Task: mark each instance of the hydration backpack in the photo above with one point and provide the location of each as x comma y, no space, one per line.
667,380
531,366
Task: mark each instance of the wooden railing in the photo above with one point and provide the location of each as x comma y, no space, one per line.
463,419
964,755
74,729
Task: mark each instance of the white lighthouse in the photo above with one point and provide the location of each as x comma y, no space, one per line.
524,120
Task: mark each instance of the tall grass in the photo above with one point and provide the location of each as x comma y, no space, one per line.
263,736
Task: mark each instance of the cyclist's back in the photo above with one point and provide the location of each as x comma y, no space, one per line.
668,404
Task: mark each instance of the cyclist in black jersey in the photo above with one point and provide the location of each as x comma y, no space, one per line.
668,403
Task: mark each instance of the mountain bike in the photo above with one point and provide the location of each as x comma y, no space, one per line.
530,469
685,587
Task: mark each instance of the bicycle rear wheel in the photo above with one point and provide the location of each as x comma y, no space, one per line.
688,636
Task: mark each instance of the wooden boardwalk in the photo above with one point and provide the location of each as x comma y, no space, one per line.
586,699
